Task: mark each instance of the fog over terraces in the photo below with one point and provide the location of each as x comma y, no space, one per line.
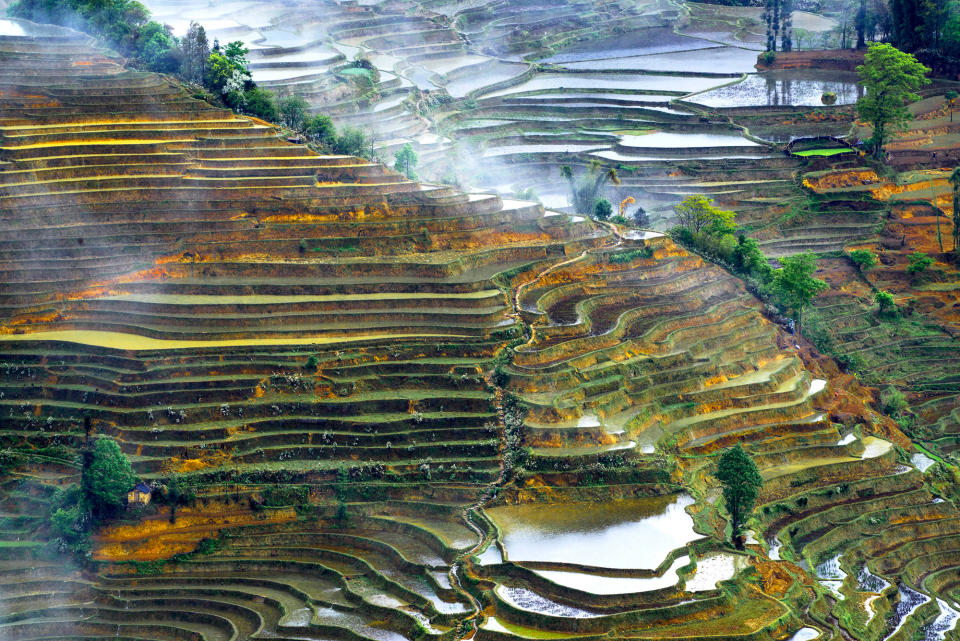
371,408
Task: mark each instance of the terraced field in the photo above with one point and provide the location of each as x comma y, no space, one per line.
498,95
412,412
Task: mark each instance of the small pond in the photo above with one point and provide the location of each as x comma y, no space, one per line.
778,88
631,533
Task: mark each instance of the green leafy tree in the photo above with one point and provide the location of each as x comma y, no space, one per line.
236,53
353,142
106,478
261,103
919,263
321,129
864,259
585,189
891,79
697,213
741,483
795,284
405,161
224,77
602,209
885,302
293,111
749,258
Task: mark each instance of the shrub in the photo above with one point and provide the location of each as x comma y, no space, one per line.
260,103
321,129
293,112
864,259
602,209
893,401
886,303
919,262
405,161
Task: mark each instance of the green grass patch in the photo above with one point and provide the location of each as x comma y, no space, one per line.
19,544
823,152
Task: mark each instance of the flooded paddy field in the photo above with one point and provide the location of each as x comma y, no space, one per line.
413,410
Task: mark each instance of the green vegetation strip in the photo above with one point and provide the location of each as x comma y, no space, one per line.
823,152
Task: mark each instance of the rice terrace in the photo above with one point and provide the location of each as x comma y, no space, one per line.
398,320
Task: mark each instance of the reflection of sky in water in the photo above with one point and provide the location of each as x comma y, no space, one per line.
635,533
11,28
800,88
644,41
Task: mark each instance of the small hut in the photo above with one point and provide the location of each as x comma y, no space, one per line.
139,495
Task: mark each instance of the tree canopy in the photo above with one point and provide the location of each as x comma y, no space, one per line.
405,161
891,79
106,478
864,259
741,483
697,213
794,282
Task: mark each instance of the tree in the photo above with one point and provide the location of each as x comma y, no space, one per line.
891,78
951,99
640,217
293,111
179,491
405,161
795,284
919,262
228,79
321,129
194,53
741,483
955,183
697,213
864,259
585,189
106,478
749,258
260,103
353,142
906,21
861,24
603,209
885,302
236,53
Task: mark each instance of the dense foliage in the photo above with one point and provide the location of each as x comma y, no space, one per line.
741,483
891,79
405,161
106,479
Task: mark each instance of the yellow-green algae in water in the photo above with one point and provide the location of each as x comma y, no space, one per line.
623,534
119,340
